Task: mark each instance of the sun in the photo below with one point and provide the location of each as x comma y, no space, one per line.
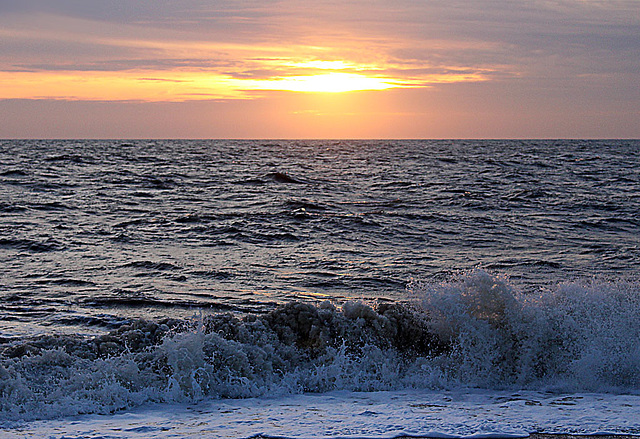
334,82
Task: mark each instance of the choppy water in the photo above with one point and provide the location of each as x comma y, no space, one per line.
94,231
443,264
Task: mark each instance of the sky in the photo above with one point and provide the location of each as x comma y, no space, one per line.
131,69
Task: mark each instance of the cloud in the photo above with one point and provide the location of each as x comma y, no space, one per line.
242,42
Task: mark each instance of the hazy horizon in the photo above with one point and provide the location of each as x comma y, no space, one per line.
326,139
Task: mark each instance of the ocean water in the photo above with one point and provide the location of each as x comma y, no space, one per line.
319,288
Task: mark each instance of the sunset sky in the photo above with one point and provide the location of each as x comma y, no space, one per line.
322,69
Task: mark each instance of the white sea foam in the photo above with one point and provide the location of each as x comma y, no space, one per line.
579,336
341,414
476,331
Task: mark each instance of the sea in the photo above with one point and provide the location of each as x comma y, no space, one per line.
319,288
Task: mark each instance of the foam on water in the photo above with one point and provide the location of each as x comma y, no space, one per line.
341,414
576,336
475,331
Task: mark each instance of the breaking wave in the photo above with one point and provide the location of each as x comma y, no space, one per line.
474,331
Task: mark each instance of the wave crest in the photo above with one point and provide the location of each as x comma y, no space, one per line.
576,336
476,330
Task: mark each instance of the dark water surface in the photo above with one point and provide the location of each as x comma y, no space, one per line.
95,232
173,272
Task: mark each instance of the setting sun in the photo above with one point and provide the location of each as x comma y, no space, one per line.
329,83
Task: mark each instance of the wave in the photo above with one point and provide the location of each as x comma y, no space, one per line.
473,331
281,177
71,158
11,208
51,206
150,265
30,245
575,337
136,300
13,173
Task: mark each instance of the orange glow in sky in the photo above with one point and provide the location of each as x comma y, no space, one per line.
179,84
176,86
261,69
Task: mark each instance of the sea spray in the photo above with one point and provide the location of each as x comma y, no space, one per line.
579,336
296,348
472,331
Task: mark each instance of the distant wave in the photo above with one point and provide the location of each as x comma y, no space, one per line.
473,331
14,173
281,177
30,245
